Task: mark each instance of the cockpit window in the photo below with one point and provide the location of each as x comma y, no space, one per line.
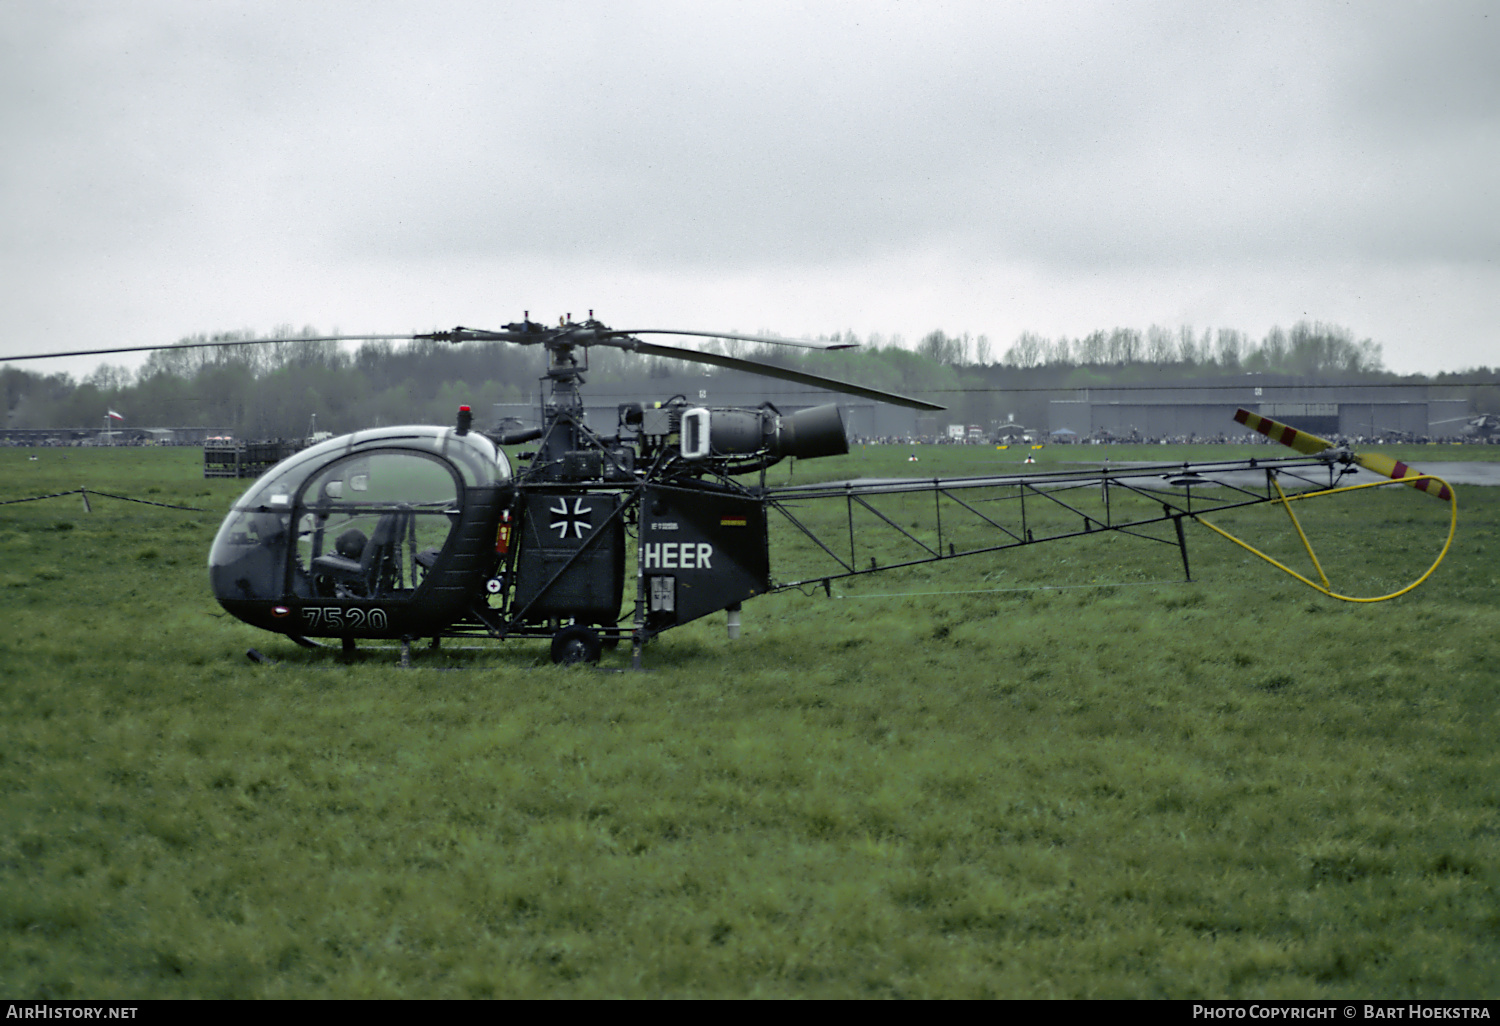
371,525
396,492
383,477
367,525
477,458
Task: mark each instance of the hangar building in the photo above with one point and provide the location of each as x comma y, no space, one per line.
1207,412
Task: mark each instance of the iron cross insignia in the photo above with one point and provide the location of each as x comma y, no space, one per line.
577,520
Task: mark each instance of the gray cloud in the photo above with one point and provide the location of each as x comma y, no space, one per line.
244,149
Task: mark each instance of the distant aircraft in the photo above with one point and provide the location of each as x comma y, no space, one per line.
1483,426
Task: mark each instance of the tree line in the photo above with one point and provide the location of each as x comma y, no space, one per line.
275,390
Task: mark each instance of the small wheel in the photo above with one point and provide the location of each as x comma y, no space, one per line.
575,644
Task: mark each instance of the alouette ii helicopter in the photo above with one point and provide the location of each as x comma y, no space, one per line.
403,533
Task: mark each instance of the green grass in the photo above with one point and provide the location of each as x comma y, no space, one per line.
1234,788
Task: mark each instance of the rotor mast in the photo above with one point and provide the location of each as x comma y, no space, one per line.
562,408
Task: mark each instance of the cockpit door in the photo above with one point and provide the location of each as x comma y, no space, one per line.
372,524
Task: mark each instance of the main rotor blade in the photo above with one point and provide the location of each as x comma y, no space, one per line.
772,371
799,343
541,334
223,343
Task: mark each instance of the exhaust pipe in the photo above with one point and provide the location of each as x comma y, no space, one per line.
810,433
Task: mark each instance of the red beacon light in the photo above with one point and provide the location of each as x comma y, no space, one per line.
465,418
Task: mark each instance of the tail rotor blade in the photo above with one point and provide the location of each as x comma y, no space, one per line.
1287,435
1311,445
1394,469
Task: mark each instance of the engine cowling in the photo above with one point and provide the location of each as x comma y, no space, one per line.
737,433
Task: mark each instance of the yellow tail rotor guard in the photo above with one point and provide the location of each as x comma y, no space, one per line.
1326,588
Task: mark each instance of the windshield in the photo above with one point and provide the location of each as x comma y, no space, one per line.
362,516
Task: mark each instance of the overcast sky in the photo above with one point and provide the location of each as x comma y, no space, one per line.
180,167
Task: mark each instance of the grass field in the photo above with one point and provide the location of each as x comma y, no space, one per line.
950,781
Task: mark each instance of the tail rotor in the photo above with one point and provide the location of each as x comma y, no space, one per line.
1311,445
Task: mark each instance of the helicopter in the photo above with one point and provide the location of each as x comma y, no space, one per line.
1486,425
1483,427
423,531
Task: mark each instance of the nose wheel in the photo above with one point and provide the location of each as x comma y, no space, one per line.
575,644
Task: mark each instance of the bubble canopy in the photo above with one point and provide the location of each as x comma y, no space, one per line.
355,517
